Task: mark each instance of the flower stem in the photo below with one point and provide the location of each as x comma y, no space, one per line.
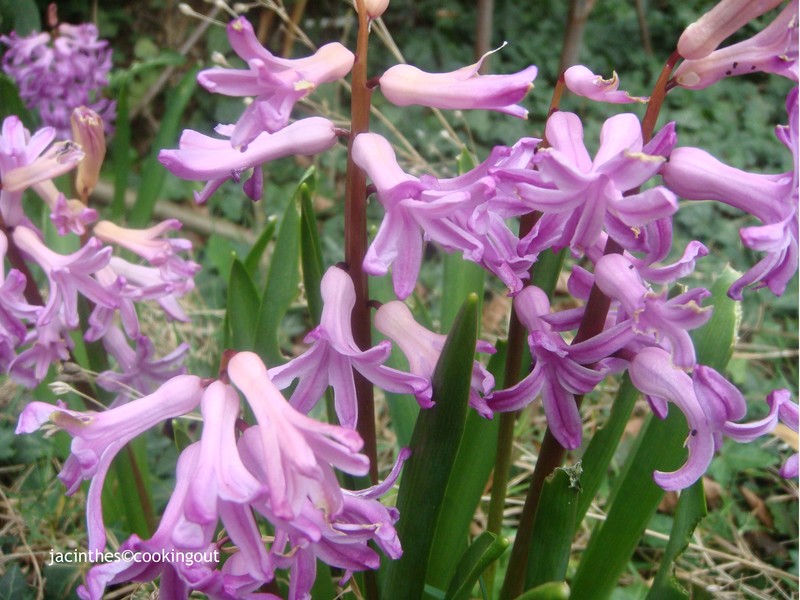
552,453
355,235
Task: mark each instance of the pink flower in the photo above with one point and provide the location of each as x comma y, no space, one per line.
404,85
276,83
582,82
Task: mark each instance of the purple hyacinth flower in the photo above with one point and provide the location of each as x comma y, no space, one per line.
27,160
405,85
297,452
334,354
710,404
789,416
582,82
580,196
56,78
658,319
98,437
341,540
275,83
772,50
203,158
773,199
703,36
560,370
422,349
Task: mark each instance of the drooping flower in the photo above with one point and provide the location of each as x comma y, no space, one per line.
88,133
58,74
560,371
422,349
98,437
298,454
203,158
405,85
666,321
275,83
582,82
772,50
334,354
694,174
710,403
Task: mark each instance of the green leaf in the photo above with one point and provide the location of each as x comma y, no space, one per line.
243,305
153,172
10,102
691,510
281,287
434,445
461,277
486,549
310,253
14,586
604,444
24,16
660,446
253,258
554,525
554,590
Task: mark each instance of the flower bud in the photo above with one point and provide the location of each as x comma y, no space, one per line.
375,8
87,131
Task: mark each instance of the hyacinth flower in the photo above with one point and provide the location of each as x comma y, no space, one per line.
68,215
582,82
298,453
98,437
276,84
14,309
789,416
406,85
654,316
560,371
342,541
334,354
452,213
773,199
27,160
703,36
88,132
203,158
710,403
422,349
580,196
58,74
772,50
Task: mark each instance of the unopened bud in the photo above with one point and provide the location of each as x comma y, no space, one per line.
703,36
87,130
375,8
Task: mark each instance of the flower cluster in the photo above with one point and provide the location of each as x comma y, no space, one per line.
280,469
36,325
59,72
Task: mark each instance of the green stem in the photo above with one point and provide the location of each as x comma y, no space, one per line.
355,213
552,453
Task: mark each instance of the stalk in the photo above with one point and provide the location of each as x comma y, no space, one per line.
552,453
355,237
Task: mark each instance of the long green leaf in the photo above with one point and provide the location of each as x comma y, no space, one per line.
660,447
486,549
153,173
281,287
554,590
434,445
253,258
310,253
604,444
554,525
691,510
243,305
